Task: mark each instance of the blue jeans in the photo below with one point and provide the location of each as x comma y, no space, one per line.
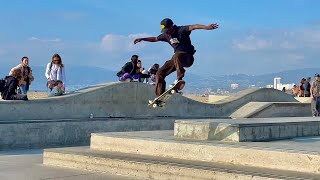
23,89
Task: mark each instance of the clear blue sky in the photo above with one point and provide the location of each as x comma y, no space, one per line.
254,36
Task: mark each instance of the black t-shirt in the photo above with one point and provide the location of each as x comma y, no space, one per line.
179,40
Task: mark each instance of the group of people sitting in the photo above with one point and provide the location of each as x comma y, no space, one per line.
16,85
133,71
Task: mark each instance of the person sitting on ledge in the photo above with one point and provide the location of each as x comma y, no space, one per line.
10,87
56,88
128,69
141,74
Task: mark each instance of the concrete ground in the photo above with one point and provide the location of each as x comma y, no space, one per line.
27,165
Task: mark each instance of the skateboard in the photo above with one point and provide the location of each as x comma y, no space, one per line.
160,101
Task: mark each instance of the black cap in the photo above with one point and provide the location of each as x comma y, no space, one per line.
134,58
316,75
166,24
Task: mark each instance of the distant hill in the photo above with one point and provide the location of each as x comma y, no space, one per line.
83,76
202,84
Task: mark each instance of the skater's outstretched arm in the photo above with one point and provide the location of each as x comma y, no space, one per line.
205,27
148,39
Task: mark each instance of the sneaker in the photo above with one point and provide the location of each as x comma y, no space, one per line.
135,80
174,83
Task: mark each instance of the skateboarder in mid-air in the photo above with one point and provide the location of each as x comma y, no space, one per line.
179,38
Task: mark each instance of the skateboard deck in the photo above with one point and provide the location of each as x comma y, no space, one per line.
161,100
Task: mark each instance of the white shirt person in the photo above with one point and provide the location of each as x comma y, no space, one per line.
55,70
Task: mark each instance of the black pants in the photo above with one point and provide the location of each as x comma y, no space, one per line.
177,63
20,97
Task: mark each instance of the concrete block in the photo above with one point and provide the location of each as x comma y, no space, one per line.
152,167
253,129
70,132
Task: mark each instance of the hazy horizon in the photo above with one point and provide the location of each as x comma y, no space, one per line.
254,37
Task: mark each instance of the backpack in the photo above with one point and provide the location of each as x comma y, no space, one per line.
2,85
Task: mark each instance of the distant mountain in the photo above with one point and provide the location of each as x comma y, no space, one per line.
83,76
203,84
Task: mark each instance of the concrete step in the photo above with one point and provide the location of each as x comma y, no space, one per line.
253,129
151,167
295,155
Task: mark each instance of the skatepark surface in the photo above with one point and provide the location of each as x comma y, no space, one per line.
129,100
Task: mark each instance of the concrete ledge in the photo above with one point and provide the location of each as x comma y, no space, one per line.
283,155
113,100
151,167
273,109
241,130
33,134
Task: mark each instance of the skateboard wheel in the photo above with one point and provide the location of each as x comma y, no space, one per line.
173,91
154,105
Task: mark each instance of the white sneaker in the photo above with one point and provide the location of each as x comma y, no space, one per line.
174,83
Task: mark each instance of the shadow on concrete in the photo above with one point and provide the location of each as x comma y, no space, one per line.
21,152
307,140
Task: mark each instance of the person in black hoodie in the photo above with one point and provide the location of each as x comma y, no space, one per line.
128,69
12,82
307,87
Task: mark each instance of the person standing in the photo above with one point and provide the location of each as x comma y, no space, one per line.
307,87
315,96
55,70
27,76
179,38
301,88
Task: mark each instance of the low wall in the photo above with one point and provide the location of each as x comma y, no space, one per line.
247,130
129,100
34,134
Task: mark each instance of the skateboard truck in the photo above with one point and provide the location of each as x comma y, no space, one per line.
161,100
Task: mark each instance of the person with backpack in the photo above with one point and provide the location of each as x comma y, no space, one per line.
27,76
11,84
129,69
55,70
